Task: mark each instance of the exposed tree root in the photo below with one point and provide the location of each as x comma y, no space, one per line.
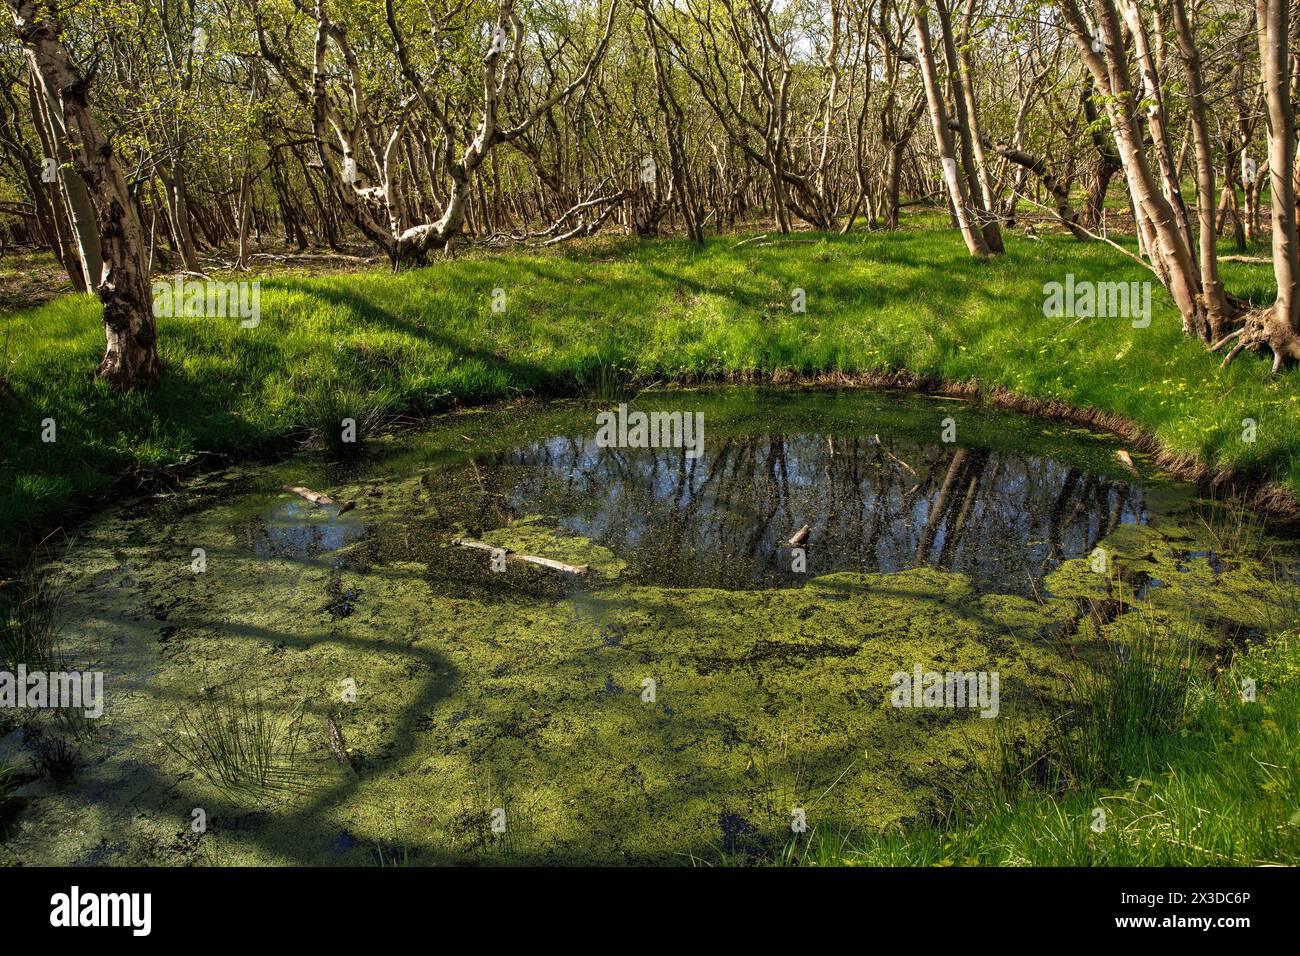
1261,329
1215,346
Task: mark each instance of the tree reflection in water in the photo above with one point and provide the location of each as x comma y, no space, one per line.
873,504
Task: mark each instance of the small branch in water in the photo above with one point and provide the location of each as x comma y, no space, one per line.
334,738
527,558
910,470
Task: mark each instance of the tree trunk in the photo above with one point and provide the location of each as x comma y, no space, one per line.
1149,69
178,205
961,207
1156,220
1217,310
76,200
674,123
131,354
47,196
1281,325
1108,164
972,156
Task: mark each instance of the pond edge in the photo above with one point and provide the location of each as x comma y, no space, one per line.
1273,499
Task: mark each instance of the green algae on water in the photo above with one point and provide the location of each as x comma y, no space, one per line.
676,703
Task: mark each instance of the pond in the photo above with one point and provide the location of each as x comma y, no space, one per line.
705,685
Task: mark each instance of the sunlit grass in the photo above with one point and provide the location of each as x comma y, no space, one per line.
594,317
1224,790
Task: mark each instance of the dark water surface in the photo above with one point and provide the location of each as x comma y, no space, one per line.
871,503
868,473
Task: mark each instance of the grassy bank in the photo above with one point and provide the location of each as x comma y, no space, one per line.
372,345
1174,751
1218,785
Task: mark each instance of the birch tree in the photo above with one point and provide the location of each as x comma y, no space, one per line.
362,155
1277,328
123,288
956,184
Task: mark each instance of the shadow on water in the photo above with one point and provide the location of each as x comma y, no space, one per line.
482,690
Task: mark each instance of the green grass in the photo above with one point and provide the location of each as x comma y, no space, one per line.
1220,788
237,742
371,345
1137,691
28,626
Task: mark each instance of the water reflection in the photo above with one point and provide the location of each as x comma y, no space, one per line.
294,528
873,504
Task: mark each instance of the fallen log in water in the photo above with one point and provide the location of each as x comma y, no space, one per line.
527,558
316,498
